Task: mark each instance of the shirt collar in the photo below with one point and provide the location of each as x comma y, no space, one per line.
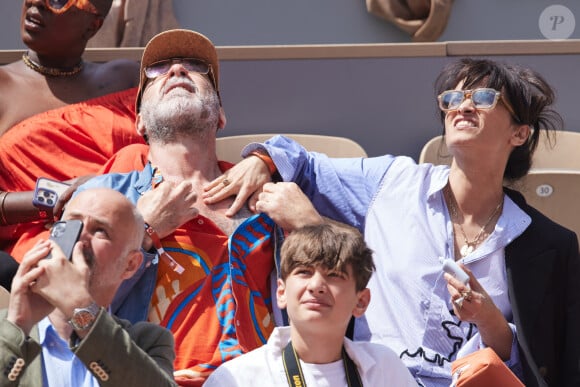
45,329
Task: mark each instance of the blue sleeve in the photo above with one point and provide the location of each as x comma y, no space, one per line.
339,188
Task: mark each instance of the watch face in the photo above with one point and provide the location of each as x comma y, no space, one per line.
83,318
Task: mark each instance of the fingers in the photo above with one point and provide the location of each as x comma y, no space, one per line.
78,257
252,201
464,296
218,189
62,201
39,251
55,251
28,270
236,206
214,184
30,277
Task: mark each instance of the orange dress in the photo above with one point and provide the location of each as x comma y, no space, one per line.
62,144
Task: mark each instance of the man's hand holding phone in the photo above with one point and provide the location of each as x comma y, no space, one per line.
65,234
65,282
26,307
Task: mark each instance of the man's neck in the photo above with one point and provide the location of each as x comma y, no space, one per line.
317,348
186,160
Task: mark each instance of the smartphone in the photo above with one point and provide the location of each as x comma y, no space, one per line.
47,192
66,233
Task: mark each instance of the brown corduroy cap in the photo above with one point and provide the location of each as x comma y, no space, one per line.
178,43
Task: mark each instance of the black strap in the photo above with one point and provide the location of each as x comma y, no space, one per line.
296,377
278,240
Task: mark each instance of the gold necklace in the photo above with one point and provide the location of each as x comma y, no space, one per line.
51,71
469,246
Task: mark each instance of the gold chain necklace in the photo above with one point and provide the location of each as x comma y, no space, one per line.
469,246
51,71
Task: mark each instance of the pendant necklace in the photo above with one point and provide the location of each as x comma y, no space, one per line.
469,246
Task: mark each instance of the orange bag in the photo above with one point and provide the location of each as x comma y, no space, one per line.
482,369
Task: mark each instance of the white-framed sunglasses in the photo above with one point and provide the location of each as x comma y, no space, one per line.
482,98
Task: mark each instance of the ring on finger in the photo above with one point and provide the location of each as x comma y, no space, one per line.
226,182
459,302
466,295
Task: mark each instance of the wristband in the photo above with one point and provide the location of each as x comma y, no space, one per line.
267,159
173,264
2,210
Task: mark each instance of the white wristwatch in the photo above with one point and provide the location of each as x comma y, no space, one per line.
83,318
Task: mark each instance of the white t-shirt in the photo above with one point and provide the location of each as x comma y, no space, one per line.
377,366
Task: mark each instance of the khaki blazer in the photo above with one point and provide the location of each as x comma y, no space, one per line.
115,352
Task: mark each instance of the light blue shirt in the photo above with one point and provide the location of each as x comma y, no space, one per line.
60,367
399,206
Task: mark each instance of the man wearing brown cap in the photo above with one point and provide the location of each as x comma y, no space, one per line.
206,276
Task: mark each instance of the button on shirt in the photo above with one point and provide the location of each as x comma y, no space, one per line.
60,367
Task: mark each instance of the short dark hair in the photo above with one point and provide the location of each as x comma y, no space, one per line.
331,245
524,89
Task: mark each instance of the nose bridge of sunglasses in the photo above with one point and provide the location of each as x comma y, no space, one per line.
465,96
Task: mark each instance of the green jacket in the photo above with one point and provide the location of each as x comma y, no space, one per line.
115,352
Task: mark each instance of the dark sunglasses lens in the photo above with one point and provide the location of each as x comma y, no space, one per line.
451,99
58,4
483,98
156,69
162,67
195,65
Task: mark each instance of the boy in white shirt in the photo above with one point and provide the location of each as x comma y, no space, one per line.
324,272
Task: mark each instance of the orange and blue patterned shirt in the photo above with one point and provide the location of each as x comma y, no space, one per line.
221,305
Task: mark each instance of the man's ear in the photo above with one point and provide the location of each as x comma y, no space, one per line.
281,294
222,119
521,135
363,299
134,260
139,126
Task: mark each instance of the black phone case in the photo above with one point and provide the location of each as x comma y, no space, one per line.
66,233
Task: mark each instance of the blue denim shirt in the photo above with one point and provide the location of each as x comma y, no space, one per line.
134,295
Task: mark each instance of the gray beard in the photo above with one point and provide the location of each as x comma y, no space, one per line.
180,116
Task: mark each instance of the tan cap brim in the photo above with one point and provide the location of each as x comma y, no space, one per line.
178,43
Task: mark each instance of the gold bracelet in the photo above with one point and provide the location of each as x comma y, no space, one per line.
2,210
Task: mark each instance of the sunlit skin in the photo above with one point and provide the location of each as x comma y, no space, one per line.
58,41
473,133
320,303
